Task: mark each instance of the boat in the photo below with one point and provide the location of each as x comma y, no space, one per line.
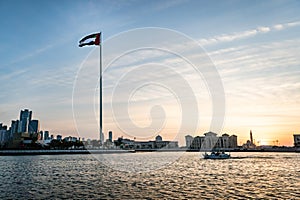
216,155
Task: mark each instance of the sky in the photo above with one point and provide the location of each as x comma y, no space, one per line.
253,45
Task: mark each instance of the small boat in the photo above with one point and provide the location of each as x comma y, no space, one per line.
216,155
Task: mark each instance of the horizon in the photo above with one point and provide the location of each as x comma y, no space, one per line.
254,47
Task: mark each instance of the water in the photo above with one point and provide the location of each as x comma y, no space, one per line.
248,175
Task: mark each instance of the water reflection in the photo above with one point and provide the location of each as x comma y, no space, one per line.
249,175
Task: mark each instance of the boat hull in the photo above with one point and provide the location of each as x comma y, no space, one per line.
214,156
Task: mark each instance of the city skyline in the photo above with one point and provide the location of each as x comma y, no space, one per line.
253,45
32,126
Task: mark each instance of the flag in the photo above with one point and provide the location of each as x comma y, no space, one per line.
92,39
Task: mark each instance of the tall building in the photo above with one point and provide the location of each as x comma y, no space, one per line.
46,135
251,137
33,126
110,136
101,138
14,126
41,135
25,118
3,134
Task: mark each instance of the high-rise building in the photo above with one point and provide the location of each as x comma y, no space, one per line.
46,135
14,126
251,137
25,118
33,126
110,136
3,134
41,135
101,138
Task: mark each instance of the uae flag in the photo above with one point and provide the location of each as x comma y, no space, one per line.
92,39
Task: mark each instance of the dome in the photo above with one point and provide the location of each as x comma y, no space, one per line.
158,138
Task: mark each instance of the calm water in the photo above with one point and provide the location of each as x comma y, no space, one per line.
249,175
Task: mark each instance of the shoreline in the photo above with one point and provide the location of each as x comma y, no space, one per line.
114,151
60,152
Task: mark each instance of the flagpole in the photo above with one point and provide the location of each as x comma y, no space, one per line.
100,100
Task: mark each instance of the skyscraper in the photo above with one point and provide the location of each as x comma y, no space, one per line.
33,126
14,126
46,135
101,138
25,118
41,135
110,136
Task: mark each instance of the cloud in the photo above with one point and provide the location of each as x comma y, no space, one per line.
246,34
263,29
278,27
264,77
228,37
291,24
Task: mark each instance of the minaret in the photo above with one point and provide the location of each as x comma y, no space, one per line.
251,137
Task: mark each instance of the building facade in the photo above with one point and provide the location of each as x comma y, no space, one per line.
110,136
188,141
158,143
4,136
46,135
210,140
102,138
297,140
25,118
34,126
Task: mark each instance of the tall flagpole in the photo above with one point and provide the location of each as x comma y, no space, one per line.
97,40
100,100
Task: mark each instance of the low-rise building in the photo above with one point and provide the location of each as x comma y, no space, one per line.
297,140
210,140
188,141
158,143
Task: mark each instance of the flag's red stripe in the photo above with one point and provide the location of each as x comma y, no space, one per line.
97,40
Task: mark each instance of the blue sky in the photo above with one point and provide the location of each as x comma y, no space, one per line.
253,44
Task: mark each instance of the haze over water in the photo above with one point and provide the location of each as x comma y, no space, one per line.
246,176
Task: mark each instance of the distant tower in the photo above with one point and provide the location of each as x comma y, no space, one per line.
251,137
14,127
101,138
46,135
25,118
110,136
34,126
42,135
